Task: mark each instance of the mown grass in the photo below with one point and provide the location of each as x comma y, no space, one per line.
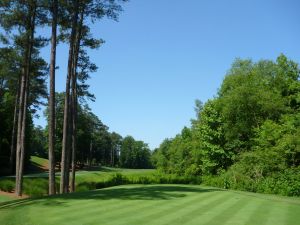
154,204
5,198
39,161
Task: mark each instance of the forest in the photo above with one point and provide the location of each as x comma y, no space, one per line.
238,161
247,137
74,136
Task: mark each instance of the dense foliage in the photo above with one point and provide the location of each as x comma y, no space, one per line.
9,75
247,137
134,154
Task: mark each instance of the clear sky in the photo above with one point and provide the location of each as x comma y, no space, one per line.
164,54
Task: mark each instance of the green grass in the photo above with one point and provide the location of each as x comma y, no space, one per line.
38,160
37,164
37,184
154,204
4,198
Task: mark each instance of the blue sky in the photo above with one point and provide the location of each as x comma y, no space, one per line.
164,54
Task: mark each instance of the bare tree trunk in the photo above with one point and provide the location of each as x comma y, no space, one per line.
64,168
68,153
20,117
24,92
23,131
74,136
74,99
14,130
52,102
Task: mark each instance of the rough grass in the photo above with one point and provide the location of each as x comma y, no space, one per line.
37,184
154,204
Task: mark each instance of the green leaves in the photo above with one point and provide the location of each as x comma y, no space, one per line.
251,129
134,154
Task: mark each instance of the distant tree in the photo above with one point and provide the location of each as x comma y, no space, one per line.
39,142
135,154
116,142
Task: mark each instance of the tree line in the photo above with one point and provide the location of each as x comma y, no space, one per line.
75,134
247,134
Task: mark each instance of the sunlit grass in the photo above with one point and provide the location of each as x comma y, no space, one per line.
154,204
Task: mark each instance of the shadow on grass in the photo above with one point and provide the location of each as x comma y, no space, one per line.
35,168
151,192
16,203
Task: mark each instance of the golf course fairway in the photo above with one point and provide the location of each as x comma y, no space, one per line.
154,204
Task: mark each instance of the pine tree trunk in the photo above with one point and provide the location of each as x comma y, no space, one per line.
20,117
24,92
74,99
23,132
68,149
74,135
14,130
52,102
64,156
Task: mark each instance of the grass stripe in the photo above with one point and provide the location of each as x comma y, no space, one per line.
133,212
99,208
202,215
155,205
166,208
220,213
97,204
120,214
259,214
187,211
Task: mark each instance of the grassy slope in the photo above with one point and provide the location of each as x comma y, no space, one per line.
39,161
104,172
157,205
4,198
38,165
36,184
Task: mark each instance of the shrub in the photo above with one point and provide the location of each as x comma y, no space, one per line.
35,187
7,185
285,183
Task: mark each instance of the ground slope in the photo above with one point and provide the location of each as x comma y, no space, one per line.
154,204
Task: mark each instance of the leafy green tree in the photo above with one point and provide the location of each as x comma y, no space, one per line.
134,154
161,156
247,100
38,142
211,153
116,141
248,135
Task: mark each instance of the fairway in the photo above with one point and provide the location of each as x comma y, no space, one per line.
154,204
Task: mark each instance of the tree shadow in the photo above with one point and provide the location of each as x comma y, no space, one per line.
16,203
35,168
147,192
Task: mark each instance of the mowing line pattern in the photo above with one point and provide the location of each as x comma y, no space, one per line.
154,205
